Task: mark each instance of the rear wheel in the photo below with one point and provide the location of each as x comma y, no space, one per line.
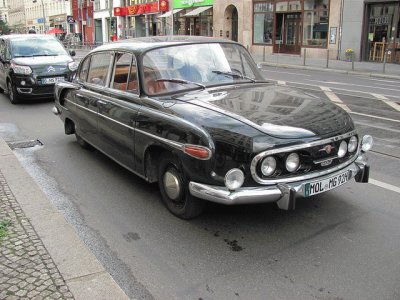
12,93
82,142
175,190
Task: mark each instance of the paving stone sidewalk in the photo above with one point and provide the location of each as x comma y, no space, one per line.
26,269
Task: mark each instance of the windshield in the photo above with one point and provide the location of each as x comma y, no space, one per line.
196,66
37,46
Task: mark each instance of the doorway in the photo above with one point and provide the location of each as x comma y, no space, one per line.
288,33
235,25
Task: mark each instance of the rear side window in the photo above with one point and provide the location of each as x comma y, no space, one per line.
98,70
124,74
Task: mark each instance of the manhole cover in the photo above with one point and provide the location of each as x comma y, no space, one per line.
24,144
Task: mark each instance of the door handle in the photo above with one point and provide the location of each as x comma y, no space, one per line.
101,102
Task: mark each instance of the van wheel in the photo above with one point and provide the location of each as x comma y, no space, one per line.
175,190
12,93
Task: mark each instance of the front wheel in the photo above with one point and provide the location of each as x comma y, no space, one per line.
175,190
12,93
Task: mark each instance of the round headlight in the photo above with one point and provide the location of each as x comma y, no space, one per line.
366,143
342,149
292,162
352,144
234,179
268,166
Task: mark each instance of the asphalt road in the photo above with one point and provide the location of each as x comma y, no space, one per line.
344,244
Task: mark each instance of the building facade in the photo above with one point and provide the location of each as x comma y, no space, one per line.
4,9
370,27
82,20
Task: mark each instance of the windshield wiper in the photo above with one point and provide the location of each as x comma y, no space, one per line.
23,55
183,81
231,74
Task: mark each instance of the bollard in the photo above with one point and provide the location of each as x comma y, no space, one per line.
327,58
384,61
304,58
264,53
352,61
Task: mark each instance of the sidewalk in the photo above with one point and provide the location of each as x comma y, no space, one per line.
371,69
41,256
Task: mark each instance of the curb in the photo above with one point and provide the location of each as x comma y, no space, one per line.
85,277
349,72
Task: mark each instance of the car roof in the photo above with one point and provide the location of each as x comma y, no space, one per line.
146,43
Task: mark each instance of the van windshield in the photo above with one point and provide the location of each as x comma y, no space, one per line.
37,46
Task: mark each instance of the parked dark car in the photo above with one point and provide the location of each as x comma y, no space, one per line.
30,65
196,115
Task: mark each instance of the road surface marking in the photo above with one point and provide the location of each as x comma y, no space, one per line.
354,84
281,82
273,71
332,96
387,101
338,88
371,116
384,185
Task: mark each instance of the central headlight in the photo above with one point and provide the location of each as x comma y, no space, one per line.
234,179
342,149
352,144
268,166
292,162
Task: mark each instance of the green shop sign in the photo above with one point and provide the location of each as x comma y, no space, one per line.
191,3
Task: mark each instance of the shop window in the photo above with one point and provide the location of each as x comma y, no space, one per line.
281,6
315,23
263,23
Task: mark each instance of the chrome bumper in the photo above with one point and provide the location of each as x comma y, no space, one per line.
284,194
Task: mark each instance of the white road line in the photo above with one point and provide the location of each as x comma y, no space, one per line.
337,88
384,185
376,117
332,96
354,84
281,82
387,101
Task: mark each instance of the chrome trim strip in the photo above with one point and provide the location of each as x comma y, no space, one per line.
115,121
173,144
259,194
85,108
261,155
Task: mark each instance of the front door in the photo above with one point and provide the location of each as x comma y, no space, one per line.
288,33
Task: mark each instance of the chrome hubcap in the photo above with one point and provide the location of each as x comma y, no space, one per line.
171,185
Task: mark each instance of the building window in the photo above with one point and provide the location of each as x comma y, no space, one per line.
263,23
315,23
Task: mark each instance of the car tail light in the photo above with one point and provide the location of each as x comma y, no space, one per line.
199,152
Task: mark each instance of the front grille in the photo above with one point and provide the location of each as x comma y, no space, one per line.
314,157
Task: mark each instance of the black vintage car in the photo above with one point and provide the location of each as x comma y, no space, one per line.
196,115
30,65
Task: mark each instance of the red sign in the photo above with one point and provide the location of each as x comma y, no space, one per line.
120,11
147,8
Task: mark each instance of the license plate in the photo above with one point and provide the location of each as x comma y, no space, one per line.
321,186
51,80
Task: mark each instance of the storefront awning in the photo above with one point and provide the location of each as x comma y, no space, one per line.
197,11
169,13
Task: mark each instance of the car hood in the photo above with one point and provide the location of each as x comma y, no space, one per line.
43,60
275,110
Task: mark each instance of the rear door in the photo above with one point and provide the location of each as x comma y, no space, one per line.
93,76
118,110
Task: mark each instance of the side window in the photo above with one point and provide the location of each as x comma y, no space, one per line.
2,49
133,83
98,70
121,71
125,73
83,71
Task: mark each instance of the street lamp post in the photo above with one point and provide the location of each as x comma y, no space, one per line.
44,16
